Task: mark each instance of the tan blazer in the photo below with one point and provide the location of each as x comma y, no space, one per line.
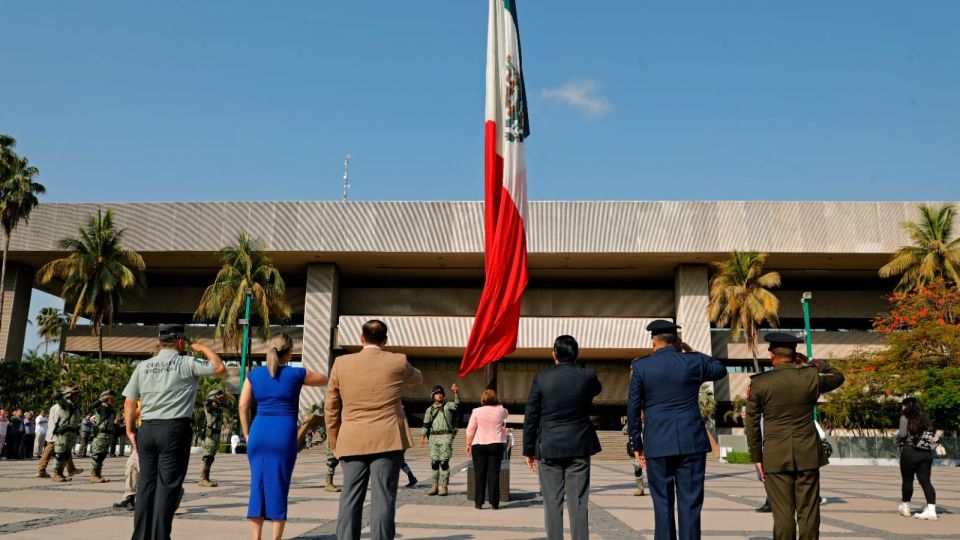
363,410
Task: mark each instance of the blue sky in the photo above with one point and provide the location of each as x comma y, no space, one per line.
218,100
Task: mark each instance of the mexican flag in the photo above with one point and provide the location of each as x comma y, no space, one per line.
494,333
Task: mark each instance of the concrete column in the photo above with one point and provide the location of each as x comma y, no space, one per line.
16,291
319,321
691,284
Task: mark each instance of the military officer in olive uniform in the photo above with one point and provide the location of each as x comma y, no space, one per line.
102,432
789,454
439,427
213,407
67,429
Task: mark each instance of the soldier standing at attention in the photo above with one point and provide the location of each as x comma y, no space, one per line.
102,431
213,407
66,431
332,460
789,454
637,467
166,386
439,428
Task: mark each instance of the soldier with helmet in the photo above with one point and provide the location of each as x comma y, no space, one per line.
67,429
213,408
103,420
439,428
789,453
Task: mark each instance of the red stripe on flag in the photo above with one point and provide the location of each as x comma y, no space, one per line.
494,333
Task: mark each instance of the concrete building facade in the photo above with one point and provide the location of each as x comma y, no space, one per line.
599,271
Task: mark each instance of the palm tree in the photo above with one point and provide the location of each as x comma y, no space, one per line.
245,266
18,197
933,253
50,322
98,274
740,299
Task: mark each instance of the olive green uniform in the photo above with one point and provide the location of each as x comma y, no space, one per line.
439,427
212,431
790,448
66,432
102,430
332,460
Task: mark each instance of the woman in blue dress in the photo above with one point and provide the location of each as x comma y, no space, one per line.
272,440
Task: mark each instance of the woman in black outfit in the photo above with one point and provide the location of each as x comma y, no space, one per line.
915,461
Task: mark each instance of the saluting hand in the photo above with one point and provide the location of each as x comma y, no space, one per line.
455,388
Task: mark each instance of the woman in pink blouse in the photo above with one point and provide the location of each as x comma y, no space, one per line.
486,435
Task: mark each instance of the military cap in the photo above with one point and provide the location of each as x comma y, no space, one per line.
168,331
782,340
70,390
105,394
437,389
214,393
660,327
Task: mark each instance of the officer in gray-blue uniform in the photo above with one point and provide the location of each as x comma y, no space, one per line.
672,441
166,386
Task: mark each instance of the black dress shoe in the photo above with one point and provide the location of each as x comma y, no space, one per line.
765,509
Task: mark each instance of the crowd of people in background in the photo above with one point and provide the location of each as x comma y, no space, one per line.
364,425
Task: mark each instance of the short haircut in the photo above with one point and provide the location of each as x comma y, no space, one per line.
374,332
669,339
489,397
783,352
566,348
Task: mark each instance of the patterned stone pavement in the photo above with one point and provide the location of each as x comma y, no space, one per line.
862,504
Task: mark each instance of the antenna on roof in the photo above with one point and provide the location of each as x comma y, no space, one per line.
346,176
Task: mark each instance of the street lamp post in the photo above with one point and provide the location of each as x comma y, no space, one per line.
245,322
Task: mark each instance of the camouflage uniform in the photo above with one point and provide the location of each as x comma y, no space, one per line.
332,460
66,431
211,435
637,469
102,430
439,427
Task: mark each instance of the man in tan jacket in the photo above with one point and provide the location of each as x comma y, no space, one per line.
367,430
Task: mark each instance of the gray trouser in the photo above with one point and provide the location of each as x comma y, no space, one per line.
569,479
384,470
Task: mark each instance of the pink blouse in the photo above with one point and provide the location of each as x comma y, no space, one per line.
486,425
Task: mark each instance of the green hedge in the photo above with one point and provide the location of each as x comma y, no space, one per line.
739,458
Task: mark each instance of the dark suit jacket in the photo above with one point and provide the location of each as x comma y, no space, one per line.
785,397
556,422
665,386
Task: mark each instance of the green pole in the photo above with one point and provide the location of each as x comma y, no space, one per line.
805,300
806,323
246,338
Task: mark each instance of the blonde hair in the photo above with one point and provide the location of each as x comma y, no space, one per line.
277,348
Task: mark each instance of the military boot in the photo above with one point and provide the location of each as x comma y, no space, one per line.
73,472
330,487
58,474
443,487
95,476
639,492
205,477
435,489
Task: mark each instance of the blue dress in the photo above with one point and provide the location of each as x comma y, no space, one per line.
272,447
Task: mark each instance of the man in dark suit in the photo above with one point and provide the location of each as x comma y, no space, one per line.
788,452
672,442
558,438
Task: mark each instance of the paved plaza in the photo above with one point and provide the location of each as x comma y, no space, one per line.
862,504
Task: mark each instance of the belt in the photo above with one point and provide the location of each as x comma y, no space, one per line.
184,420
440,432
